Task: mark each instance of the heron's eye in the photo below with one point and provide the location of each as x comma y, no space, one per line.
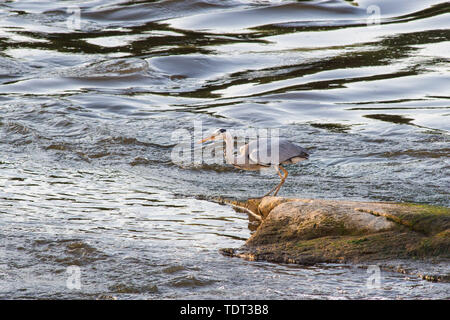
222,130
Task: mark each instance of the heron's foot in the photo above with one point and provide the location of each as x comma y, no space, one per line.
262,197
268,193
278,189
276,192
271,190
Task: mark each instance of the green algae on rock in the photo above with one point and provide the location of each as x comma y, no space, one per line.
307,231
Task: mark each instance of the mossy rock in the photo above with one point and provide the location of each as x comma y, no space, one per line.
308,231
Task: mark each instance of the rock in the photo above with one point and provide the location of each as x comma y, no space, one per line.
266,204
308,231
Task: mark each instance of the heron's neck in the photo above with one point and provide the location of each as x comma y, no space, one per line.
229,148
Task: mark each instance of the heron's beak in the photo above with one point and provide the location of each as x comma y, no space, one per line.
207,139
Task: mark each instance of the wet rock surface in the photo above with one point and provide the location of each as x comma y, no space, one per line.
408,238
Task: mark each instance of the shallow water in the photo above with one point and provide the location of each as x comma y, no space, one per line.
88,109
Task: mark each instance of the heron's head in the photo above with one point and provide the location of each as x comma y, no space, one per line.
216,135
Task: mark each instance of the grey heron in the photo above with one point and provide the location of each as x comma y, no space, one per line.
261,153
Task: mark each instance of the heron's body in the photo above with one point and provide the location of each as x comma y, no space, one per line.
262,153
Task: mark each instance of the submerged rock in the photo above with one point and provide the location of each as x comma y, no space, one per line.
401,237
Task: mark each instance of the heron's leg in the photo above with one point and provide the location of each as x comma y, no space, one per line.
282,180
271,190
279,173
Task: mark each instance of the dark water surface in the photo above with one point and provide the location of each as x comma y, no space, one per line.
88,109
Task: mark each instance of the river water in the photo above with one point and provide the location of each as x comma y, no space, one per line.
92,205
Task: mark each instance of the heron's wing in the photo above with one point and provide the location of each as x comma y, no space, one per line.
274,151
